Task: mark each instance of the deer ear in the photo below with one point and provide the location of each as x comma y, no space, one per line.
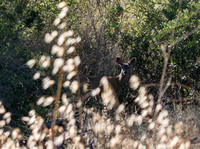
119,61
132,61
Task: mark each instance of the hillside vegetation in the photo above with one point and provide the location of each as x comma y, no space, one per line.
49,47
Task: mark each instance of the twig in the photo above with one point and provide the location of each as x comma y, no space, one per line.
80,108
58,95
79,104
184,36
167,56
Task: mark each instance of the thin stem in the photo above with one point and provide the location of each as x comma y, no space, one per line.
166,58
80,108
58,95
79,104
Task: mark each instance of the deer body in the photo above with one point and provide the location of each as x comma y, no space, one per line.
92,82
116,81
109,84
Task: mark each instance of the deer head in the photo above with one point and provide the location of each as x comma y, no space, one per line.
125,68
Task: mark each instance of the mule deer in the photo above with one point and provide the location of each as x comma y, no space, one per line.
108,86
